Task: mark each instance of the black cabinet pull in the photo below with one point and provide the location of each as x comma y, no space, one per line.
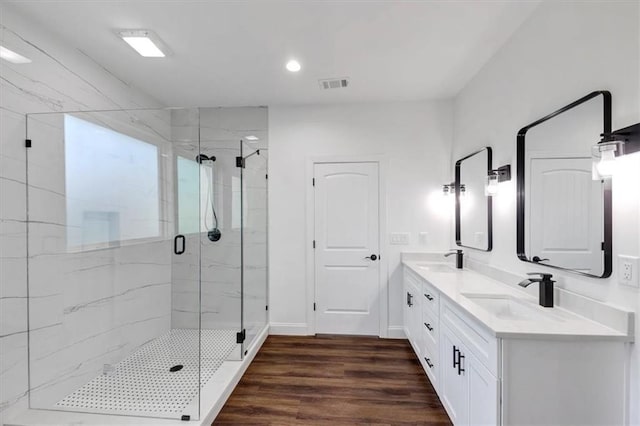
428,361
455,351
460,358
409,299
428,326
429,297
175,244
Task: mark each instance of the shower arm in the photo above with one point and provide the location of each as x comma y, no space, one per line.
240,161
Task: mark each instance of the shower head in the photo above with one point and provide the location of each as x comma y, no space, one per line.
201,157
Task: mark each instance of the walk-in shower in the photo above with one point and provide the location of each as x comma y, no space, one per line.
148,268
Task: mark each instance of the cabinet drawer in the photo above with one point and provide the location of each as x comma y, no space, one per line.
480,342
429,360
430,329
430,298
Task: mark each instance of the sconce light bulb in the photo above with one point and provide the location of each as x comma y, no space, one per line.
607,164
491,187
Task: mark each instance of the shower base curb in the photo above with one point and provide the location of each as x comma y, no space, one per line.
231,373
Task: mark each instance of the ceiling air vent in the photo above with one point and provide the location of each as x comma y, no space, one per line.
334,83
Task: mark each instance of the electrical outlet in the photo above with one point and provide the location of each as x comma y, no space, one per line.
628,270
423,238
399,238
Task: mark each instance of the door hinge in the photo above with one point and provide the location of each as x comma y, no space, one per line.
27,143
266,308
313,181
241,336
314,243
602,246
314,306
266,176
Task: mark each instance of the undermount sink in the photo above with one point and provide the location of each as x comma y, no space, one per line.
436,267
510,308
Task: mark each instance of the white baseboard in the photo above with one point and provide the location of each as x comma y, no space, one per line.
396,332
289,329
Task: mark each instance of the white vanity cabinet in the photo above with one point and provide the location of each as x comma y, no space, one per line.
517,379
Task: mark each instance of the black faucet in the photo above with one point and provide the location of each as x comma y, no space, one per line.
458,254
546,287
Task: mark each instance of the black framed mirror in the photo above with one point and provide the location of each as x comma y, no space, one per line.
474,224
564,211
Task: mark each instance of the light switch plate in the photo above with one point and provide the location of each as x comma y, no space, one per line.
399,238
423,238
628,270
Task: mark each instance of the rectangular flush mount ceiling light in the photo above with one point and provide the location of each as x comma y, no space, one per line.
145,42
13,57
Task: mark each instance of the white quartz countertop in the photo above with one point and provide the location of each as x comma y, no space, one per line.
506,311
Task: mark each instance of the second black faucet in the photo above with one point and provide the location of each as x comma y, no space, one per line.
459,255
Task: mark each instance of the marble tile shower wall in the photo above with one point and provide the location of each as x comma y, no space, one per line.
91,307
60,79
219,264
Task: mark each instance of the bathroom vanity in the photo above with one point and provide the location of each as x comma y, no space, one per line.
495,357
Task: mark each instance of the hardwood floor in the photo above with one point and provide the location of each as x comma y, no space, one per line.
337,380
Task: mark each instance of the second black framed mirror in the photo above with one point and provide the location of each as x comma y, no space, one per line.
564,209
474,222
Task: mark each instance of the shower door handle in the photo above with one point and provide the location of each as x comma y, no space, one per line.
182,244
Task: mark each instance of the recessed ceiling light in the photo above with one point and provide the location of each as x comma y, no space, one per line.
293,66
13,57
252,138
145,42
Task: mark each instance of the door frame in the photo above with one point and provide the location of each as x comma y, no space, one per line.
383,278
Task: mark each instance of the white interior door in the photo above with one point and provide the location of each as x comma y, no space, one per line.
566,208
347,276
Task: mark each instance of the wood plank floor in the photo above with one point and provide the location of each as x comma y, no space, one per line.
337,380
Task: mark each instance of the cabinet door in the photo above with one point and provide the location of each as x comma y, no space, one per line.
453,388
406,311
482,393
415,322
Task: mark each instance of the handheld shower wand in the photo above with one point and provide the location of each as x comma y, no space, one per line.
213,233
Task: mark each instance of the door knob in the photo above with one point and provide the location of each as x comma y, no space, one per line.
372,257
537,259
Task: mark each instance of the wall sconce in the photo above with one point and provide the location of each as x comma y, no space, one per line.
448,188
501,174
612,145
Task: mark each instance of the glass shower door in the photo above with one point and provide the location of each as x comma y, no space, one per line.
254,239
102,214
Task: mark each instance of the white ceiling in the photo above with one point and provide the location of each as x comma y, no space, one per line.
233,53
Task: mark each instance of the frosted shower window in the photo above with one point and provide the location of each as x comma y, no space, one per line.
112,186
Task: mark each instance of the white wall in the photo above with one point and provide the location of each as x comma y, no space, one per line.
564,51
413,138
58,79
